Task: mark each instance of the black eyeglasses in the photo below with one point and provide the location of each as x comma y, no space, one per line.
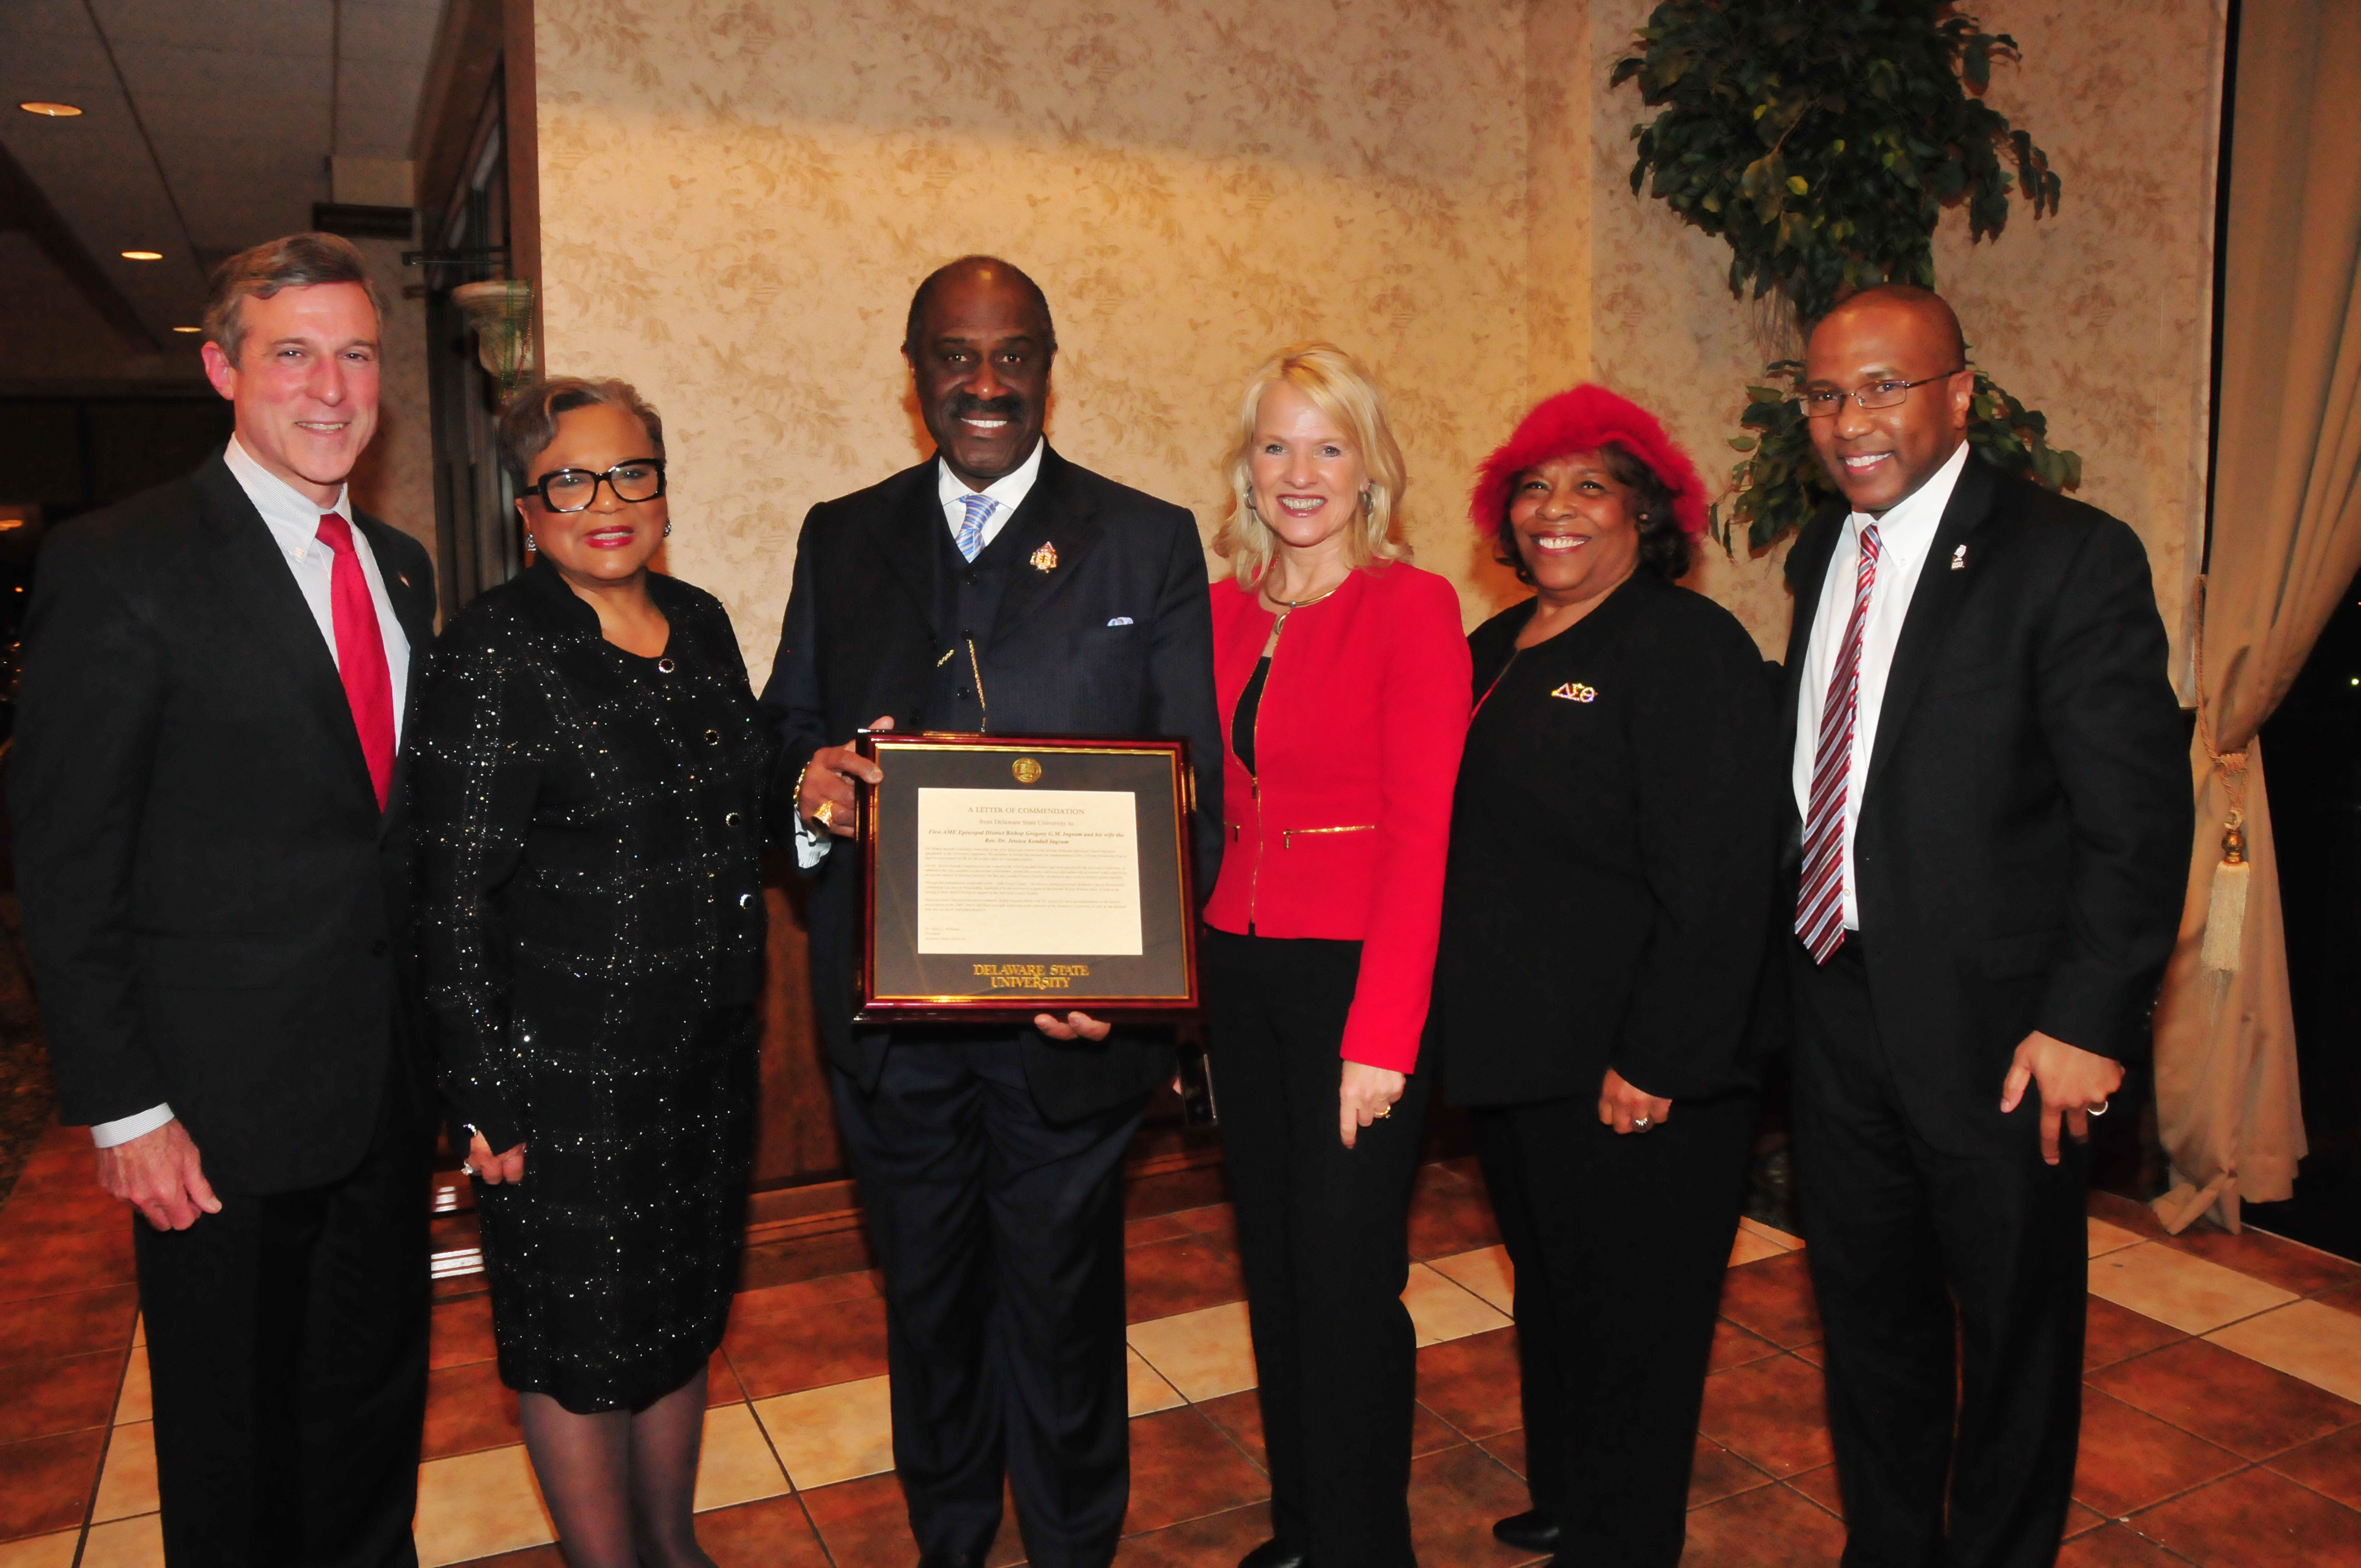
573,490
1822,403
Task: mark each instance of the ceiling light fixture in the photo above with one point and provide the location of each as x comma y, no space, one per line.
188,329
49,110
142,256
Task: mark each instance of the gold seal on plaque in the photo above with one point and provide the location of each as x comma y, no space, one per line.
1026,770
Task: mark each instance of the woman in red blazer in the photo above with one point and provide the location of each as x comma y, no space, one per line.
1344,682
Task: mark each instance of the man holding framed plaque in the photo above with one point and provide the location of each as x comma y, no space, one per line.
998,591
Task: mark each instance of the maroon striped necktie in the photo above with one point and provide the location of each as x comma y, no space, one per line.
1820,902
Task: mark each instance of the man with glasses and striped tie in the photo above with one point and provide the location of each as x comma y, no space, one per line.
1993,815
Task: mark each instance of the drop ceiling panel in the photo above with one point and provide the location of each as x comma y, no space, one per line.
106,188
54,65
272,26
388,33
237,79
237,102
293,114
65,17
376,113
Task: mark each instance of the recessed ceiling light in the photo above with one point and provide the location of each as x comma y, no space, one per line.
188,329
142,256
49,110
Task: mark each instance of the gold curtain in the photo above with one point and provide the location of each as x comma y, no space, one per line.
2287,540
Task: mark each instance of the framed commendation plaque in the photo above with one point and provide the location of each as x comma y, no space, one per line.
1007,876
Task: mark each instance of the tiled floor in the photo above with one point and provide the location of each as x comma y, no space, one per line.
2221,1408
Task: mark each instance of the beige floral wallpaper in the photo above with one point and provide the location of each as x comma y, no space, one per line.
738,196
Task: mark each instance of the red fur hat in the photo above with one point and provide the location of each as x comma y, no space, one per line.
1585,419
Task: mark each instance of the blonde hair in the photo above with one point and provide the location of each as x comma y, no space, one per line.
1338,387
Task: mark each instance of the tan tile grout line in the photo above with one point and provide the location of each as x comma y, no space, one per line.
795,1488
105,1449
2208,1335
2244,1466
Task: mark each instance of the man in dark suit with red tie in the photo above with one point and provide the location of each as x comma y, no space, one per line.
215,902
1992,827
994,587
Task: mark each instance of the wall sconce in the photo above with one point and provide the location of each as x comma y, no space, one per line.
501,314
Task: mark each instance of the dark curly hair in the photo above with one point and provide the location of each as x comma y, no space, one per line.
1664,544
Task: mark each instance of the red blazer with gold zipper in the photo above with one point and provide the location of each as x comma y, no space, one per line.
1343,830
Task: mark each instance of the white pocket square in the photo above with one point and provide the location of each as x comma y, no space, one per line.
1120,620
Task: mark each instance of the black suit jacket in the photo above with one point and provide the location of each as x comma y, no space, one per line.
1614,843
860,642
217,909
2026,812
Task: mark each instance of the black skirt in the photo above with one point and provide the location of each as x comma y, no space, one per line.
613,1261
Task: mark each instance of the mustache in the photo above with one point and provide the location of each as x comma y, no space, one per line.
965,406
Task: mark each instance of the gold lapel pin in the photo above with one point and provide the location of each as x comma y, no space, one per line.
1575,691
1045,558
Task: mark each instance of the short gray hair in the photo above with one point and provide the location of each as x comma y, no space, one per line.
291,261
529,419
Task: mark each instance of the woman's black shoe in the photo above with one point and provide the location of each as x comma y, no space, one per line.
1532,1531
1275,1554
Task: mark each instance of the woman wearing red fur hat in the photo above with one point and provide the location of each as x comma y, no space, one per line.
1613,851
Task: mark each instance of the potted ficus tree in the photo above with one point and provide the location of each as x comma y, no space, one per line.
1822,140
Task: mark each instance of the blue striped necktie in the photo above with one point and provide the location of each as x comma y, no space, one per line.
970,532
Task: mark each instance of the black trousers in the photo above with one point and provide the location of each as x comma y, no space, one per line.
287,1349
1323,1236
1909,1244
1001,1238
1620,1243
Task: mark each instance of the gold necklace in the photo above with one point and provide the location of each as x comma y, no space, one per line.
1289,607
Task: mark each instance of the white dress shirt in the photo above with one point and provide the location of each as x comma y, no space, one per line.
293,519
1010,491
1904,536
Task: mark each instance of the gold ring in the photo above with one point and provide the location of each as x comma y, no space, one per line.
1382,1112
826,814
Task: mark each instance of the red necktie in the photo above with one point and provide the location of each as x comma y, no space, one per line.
360,653
1819,903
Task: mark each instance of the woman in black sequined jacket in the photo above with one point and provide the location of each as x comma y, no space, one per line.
586,788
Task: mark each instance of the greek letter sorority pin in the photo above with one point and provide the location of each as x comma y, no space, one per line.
1959,559
1575,691
1045,558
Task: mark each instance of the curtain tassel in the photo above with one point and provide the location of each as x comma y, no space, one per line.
2225,909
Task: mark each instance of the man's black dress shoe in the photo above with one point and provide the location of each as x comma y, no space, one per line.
1529,1531
1275,1554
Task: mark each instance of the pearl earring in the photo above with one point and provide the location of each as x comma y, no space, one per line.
529,543
667,528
